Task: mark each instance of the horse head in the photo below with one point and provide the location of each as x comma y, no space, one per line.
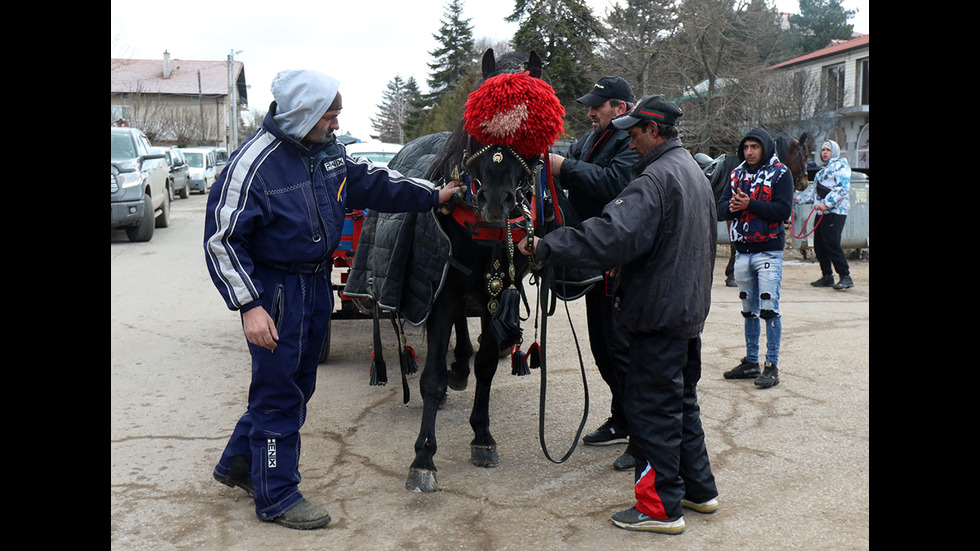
792,153
510,120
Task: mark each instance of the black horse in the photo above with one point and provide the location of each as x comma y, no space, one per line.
477,234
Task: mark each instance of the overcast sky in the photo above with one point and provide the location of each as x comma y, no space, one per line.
363,43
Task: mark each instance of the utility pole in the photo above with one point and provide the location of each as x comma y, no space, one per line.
232,135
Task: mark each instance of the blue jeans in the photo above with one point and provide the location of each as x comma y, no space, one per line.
758,276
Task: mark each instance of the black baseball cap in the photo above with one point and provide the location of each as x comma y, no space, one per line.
655,108
606,89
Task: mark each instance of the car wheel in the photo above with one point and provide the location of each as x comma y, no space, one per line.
144,230
184,190
163,221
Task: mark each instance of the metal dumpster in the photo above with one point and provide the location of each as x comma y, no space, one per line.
856,228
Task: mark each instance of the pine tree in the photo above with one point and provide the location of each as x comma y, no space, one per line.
395,109
820,22
455,55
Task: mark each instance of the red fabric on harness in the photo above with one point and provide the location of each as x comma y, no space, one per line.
467,218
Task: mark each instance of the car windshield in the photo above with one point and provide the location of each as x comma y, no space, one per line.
196,160
122,147
379,157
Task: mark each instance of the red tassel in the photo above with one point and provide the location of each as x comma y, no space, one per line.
533,356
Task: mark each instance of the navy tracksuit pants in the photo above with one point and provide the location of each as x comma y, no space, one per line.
666,436
283,381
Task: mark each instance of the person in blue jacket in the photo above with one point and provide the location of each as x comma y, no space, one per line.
273,219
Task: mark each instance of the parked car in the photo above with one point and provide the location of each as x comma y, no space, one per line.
139,198
220,159
202,163
180,172
376,152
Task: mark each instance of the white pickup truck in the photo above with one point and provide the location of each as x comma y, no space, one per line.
138,179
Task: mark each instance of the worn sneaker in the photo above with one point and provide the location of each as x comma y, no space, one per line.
845,283
825,281
607,434
632,519
625,462
239,475
744,370
706,507
769,377
303,516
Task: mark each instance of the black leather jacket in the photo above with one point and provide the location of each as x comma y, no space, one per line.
596,169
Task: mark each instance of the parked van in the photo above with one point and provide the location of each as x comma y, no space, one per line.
203,164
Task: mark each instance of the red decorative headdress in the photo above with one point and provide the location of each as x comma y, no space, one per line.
517,110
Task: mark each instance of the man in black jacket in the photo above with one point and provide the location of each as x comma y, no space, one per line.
661,233
598,167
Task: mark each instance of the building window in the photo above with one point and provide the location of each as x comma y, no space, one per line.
833,87
863,79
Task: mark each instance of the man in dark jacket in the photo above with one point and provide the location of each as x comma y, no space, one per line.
598,167
758,200
661,233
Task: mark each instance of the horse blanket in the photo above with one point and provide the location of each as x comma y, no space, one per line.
402,258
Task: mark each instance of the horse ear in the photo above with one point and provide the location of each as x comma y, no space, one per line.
803,137
534,64
489,64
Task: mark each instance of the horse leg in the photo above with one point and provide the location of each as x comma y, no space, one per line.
459,370
432,386
483,448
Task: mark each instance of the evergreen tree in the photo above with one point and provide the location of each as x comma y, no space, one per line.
820,22
563,33
455,54
394,111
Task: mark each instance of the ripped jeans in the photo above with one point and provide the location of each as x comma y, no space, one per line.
759,276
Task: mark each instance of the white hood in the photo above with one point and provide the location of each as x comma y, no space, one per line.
302,97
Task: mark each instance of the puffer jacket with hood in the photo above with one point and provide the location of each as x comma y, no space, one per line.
282,202
769,185
835,178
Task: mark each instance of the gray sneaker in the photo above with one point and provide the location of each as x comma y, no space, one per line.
303,516
706,507
632,519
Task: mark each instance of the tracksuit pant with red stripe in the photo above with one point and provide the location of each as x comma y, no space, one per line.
666,436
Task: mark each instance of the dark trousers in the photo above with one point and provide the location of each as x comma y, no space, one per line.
283,381
666,436
826,244
610,347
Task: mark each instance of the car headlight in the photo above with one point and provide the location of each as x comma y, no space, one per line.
129,179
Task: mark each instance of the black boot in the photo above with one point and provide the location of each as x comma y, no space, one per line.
825,281
844,283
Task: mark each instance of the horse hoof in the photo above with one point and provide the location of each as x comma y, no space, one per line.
457,381
421,480
484,456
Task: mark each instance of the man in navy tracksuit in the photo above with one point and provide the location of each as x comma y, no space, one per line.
273,220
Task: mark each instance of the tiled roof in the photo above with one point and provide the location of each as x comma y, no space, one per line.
146,75
853,44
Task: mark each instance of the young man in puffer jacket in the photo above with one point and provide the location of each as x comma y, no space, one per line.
758,200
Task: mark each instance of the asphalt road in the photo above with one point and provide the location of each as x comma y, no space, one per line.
791,462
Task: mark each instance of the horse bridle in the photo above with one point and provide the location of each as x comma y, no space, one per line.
525,185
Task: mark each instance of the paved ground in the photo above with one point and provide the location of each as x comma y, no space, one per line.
792,462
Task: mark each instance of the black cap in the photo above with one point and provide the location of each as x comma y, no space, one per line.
650,108
606,89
